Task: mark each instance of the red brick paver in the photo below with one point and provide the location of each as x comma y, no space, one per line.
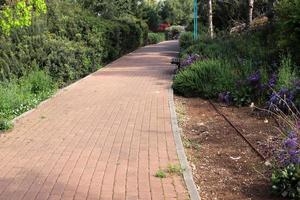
101,138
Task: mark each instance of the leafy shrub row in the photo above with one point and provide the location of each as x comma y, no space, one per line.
69,42
236,71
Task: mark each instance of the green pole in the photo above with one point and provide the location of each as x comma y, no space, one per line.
195,19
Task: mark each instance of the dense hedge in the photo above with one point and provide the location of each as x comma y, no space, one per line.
69,42
154,38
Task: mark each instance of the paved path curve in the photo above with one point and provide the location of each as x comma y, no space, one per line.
103,137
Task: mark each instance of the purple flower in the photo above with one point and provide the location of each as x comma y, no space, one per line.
225,97
272,81
290,152
190,60
255,78
281,100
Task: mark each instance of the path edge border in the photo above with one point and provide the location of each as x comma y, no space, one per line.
187,172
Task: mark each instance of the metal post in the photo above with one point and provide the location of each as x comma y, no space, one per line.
195,19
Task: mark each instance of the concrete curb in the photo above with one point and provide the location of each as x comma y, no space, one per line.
187,172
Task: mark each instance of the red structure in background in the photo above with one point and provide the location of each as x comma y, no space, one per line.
163,26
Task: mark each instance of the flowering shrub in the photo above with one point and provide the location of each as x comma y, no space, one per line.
290,152
254,88
190,60
282,100
286,175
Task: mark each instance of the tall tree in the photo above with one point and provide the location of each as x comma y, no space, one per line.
176,11
210,19
113,8
250,14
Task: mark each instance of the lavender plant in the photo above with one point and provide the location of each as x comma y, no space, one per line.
192,58
225,97
286,173
290,152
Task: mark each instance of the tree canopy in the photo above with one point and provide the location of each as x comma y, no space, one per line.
20,13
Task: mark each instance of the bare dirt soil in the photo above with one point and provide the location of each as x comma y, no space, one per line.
224,165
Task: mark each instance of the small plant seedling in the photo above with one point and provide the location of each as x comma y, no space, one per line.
160,174
174,169
5,125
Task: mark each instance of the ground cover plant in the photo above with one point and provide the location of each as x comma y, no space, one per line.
20,95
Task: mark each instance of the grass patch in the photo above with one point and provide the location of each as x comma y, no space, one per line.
20,95
174,169
171,170
190,144
5,125
160,174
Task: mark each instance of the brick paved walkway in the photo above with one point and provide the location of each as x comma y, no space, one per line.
101,138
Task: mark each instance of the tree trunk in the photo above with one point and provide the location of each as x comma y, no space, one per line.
250,16
210,19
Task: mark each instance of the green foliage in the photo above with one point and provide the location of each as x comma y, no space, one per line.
173,32
154,38
176,11
286,74
160,174
174,169
286,182
288,32
20,14
205,79
150,14
5,125
239,59
186,40
20,95
69,42
112,9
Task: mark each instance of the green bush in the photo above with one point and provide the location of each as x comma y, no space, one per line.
285,182
288,32
286,74
174,31
20,95
205,79
154,38
69,42
186,40
5,125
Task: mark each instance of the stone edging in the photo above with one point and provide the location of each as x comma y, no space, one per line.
187,172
